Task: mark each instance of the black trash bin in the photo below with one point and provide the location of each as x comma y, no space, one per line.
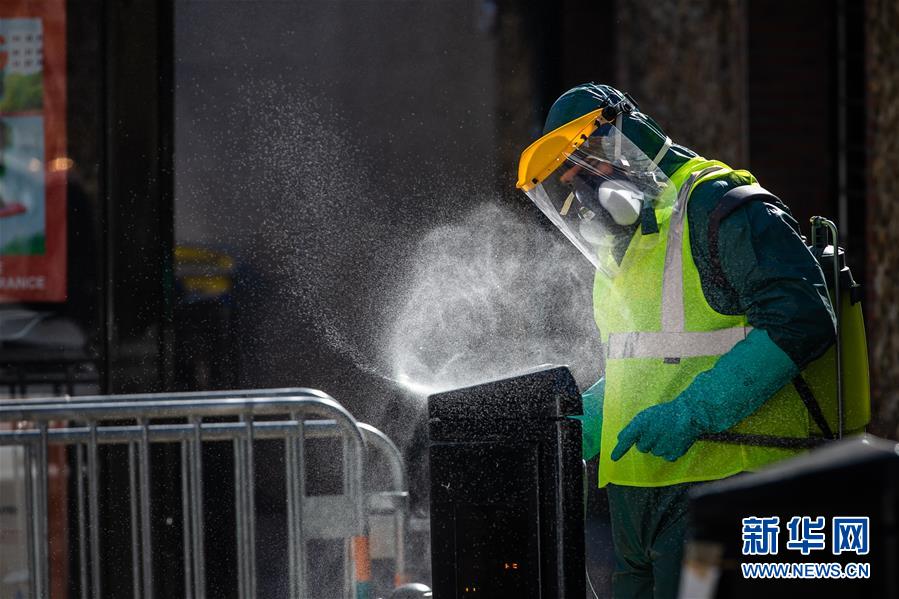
507,489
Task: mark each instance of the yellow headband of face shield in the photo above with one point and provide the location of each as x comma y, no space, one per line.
541,158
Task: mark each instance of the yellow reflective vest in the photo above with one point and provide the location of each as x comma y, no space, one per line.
658,333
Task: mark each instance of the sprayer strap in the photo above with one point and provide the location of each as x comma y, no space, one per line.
808,398
812,405
814,409
666,145
765,440
729,203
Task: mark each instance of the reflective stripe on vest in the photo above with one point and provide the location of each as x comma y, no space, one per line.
674,342
673,280
685,344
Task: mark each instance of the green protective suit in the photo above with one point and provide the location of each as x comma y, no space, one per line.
648,529
770,279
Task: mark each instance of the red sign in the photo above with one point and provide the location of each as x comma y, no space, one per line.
33,160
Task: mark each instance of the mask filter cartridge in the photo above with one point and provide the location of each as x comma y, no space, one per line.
621,201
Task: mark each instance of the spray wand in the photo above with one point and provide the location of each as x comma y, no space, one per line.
820,226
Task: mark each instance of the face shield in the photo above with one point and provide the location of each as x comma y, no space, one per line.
597,187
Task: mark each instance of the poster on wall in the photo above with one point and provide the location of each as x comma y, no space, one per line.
33,160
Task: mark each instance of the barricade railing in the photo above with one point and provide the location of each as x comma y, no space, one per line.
134,420
394,500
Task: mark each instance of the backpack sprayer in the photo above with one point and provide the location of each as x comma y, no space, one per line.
820,226
847,404
837,404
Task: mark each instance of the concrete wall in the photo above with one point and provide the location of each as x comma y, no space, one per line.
684,63
882,311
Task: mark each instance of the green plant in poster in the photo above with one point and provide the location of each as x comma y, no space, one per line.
22,207
5,142
22,92
32,246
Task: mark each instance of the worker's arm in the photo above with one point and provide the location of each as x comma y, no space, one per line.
776,282
735,387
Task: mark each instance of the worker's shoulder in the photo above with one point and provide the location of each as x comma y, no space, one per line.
708,195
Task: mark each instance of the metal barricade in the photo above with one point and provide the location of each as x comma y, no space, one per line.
293,415
394,500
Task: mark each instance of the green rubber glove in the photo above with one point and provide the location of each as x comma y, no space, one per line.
736,386
591,421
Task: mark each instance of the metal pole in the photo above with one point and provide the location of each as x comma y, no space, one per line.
172,433
399,518
145,506
135,533
289,483
400,495
348,562
43,539
31,509
239,516
300,497
250,504
348,567
197,509
819,221
82,526
186,526
93,490
838,308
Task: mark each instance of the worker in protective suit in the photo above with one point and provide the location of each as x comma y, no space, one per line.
710,308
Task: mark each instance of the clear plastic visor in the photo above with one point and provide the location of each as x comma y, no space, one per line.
600,193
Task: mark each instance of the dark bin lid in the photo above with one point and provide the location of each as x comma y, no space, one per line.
544,392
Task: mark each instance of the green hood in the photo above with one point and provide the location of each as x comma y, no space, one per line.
637,126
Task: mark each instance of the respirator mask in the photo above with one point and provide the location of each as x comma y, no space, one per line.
597,187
